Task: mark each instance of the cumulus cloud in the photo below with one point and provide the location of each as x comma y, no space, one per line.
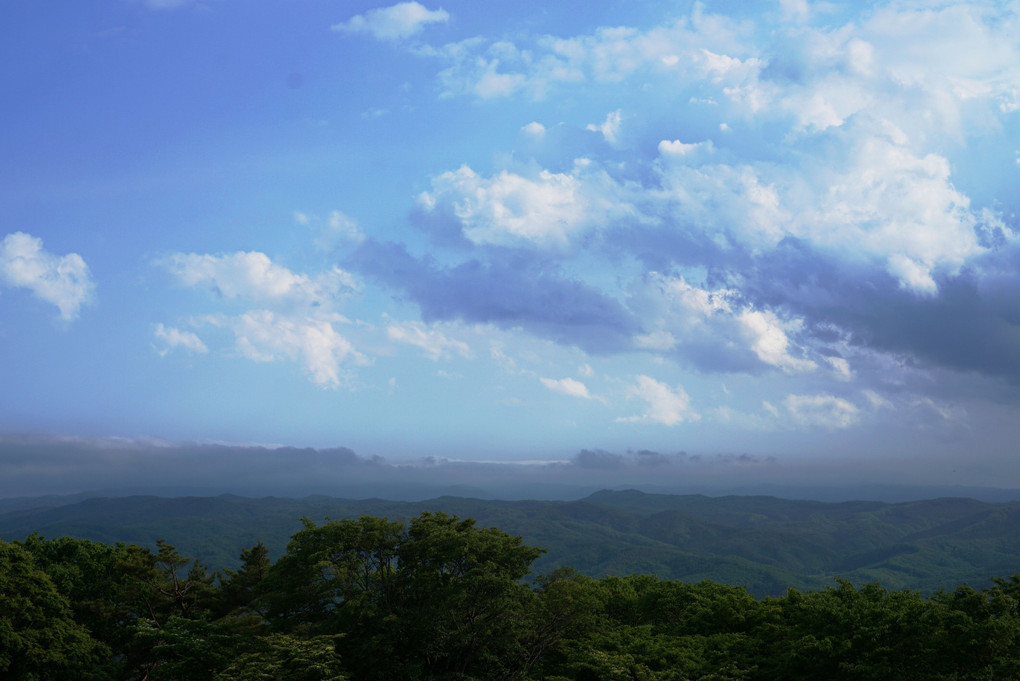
502,68
811,189
169,338
264,336
545,210
567,386
64,281
399,21
253,276
292,317
713,329
432,342
534,128
676,148
666,406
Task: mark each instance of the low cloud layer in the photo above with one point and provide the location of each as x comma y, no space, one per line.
35,466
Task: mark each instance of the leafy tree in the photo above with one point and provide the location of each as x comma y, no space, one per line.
39,639
465,611
237,592
439,599
96,579
279,656
334,576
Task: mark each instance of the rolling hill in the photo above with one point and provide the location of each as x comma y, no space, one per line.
764,543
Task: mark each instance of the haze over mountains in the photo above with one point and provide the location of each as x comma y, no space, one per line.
32,466
764,543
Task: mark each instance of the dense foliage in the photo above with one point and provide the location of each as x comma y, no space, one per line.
764,543
441,598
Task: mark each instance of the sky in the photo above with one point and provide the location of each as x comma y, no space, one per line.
754,234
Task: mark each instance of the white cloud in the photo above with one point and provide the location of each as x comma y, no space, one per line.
567,386
64,281
715,325
263,336
608,55
293,319
434,343
675,148
897,207
534,128
825,411
666,405
171,338
886,205
547,210
896,85
610,127
253,276
769,341
393,23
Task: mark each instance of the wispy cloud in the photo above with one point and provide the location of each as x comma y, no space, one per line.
393,23
169,338
435,344
567,386
826,411
253,276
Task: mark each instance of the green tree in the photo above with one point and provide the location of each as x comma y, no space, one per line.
39,638
334,577
237,593
279,656
465,612
441,599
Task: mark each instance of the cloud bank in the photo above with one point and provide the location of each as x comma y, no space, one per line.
34,466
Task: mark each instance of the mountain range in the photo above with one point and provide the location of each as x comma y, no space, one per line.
764,543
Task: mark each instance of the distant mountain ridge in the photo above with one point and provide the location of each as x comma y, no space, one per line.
765,543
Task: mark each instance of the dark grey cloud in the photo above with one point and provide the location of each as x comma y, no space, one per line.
599,460
971,325
506,287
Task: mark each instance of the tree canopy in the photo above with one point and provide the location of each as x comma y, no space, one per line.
442,598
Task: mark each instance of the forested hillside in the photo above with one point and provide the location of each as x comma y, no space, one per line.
763,543
441,598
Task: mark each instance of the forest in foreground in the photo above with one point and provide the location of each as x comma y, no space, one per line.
439,597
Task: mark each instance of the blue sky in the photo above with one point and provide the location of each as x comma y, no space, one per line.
515,231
